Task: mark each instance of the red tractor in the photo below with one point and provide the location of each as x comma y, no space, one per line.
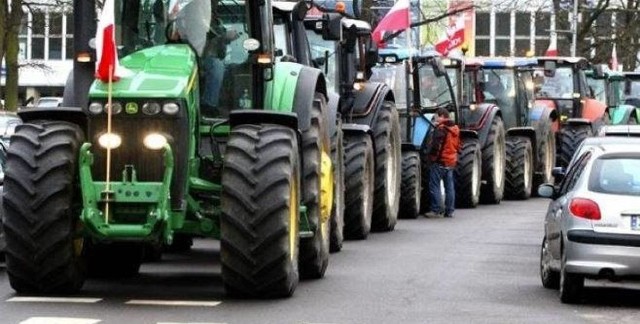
560,84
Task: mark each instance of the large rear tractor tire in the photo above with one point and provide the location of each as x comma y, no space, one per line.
318,182
570,138
519,168
411,186
468,174
42,207
337,211
359,184
386,202
493,164
259,224
546,161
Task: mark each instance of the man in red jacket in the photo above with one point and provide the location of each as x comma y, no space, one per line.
445,145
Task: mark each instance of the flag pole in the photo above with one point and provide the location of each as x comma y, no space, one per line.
108,173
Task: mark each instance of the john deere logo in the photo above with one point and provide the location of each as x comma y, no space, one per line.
132,108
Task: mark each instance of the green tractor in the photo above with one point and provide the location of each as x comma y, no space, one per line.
608,86
256,173
367,112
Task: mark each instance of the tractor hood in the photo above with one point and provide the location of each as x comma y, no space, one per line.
164,71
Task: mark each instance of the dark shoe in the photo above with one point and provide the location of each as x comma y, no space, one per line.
432,214
448,215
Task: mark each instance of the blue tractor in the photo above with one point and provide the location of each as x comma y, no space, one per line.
422,84
530,146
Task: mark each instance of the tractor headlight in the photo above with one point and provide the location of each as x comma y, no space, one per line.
155,141
110,140
95,108
116,108
170,108
151,108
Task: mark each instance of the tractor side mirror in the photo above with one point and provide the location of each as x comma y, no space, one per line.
371,58
598,72
332,27
438,67
550,69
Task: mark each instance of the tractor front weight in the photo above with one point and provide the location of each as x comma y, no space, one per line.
127,209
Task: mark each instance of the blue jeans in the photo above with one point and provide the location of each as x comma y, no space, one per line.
213,72
439,173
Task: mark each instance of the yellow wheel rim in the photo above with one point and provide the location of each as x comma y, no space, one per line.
326,187
294,209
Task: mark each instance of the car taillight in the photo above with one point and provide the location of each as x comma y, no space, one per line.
585,208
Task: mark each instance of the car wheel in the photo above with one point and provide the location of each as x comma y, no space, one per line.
550,278
571,284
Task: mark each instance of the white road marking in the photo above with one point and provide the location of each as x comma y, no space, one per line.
59,320
54,300
173,303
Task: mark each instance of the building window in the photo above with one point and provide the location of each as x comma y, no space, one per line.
482,47
483,22
523,23
503,25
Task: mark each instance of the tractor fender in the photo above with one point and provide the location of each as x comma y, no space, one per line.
620,114
479,119
465,133
305,80
255,116
74,115
593,110
367,102
333,107
526,131
577,121
542,119
350,128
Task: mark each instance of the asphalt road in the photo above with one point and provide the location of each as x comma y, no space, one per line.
479,267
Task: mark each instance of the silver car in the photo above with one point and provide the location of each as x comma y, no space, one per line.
592,226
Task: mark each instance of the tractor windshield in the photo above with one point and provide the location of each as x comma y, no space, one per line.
147,23
499,88
434,90
320,50
394,76
598,88
558,86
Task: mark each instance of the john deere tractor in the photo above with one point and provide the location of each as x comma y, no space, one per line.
608,86
530,142
561,85
422,85
139,162
367,112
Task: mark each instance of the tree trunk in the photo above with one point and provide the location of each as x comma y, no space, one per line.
12,50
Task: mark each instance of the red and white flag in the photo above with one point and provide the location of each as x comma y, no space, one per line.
106,50
396,19
453,37
614,58
553,46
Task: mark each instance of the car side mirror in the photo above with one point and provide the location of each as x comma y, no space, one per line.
547,190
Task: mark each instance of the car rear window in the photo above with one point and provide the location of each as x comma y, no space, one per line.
616,175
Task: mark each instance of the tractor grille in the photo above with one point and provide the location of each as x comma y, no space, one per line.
149,164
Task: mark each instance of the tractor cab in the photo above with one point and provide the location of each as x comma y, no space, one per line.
561,82
608,86
632,88
505,82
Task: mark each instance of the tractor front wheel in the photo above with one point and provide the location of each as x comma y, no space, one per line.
41,204
571,136
359,184
411,186
260,212
386,202
519,168
493,161
468,174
